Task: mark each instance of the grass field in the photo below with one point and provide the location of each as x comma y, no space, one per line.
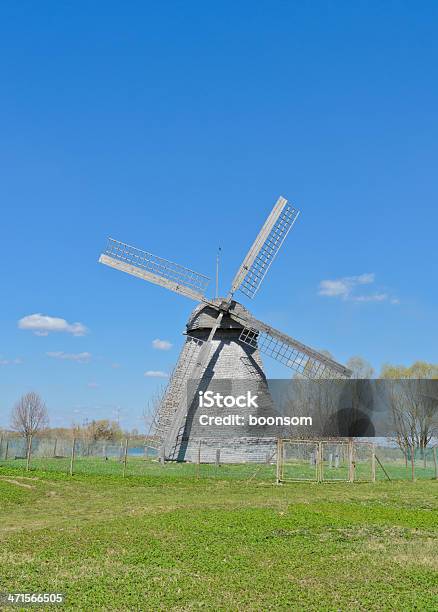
137,466
178,543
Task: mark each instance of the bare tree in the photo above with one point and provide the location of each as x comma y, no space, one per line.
338,407
413,401
151,410
29,415
104,429
360,367
316,398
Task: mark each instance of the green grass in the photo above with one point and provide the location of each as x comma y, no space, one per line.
169,541
149,468
301,470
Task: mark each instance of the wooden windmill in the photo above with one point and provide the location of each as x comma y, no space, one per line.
223,339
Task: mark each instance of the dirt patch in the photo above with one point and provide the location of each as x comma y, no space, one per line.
25,485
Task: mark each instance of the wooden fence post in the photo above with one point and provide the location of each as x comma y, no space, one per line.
198,460
279,461
319,455
413,462
125,457
435,462
55,447
29,451
7,448
218,457
72,457
350,461
382,466
373,463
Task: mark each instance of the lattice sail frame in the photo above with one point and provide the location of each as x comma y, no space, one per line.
309,363
265,247
155,269
268,251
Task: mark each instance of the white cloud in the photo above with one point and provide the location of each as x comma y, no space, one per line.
93,385
333,287
375,297
42,325
342,287
78,357
16,361
345,288
155,374
161,345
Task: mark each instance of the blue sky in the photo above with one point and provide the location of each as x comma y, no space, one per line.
175,127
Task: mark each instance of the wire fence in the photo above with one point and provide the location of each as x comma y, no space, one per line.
352,461
318,461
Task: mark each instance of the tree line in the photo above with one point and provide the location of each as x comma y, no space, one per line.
415,412
30,417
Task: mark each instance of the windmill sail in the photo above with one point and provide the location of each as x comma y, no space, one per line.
262,253
154,269
290,352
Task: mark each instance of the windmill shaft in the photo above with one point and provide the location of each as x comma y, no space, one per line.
217,276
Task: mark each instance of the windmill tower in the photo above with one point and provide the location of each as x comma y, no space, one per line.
224,340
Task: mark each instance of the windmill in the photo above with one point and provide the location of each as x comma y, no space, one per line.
223,338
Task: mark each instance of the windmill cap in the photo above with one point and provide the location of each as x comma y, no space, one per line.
204,316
